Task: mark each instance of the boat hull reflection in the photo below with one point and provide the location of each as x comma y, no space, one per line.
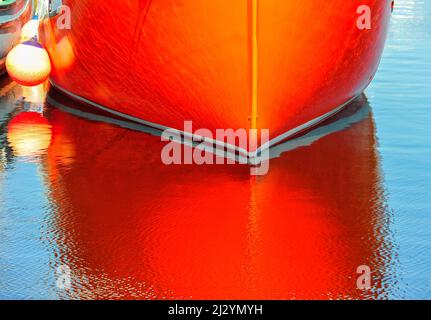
130,227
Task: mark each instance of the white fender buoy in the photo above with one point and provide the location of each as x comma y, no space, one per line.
28,63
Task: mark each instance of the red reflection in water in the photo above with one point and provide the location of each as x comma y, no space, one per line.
29,134
131,227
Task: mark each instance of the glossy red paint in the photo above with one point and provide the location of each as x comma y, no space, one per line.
270,64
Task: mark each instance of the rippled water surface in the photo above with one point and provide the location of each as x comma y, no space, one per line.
95,198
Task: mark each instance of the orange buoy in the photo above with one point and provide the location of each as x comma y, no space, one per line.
28,63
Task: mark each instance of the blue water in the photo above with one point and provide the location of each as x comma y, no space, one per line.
401,99
43,224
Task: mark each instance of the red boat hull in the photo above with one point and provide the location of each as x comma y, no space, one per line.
273,64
